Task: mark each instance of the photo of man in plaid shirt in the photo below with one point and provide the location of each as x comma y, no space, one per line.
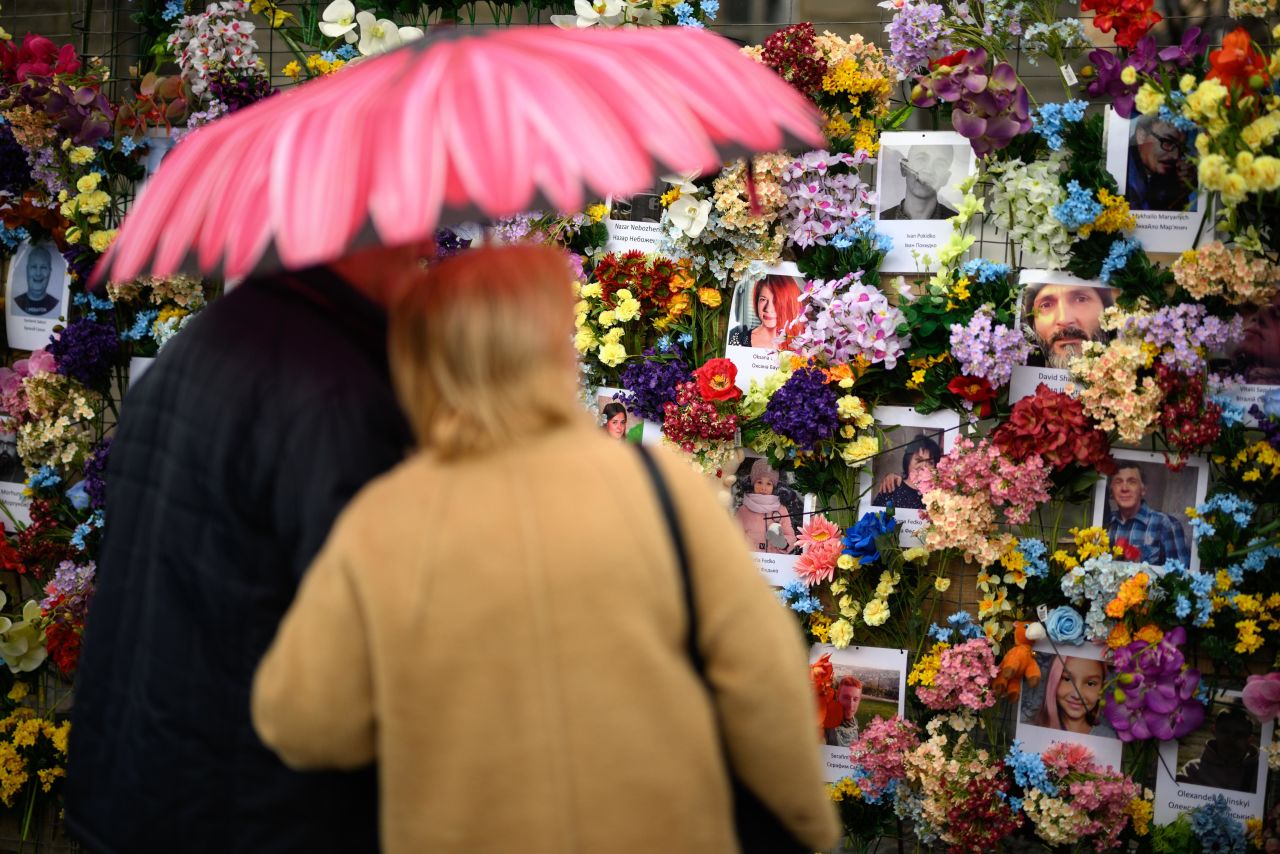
1157,535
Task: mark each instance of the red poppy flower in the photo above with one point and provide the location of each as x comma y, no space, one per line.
951,60
716,380
976,390
1237,61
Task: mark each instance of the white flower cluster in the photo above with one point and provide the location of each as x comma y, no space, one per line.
218,37
1021,200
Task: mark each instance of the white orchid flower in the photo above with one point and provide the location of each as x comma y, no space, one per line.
638,14
377,35
339,19
606,13
408,34
689,214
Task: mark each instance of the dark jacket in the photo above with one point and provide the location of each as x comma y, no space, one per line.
233,456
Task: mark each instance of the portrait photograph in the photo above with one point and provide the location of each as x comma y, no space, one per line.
1066,704
917,185
911,442
34,292
1151,161
1145,505
1226,755
771,511
1256,357
867,682
11,470
1058,313
614,418
764,312
634,223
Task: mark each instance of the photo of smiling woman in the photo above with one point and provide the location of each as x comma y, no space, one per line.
1072,690
775,303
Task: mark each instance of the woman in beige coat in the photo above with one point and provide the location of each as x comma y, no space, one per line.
499,622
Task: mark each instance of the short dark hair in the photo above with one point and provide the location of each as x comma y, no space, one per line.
611,409
1121,465
921,442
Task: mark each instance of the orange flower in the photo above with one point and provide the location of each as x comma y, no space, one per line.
838,373
1119,636
1150,633
1238,61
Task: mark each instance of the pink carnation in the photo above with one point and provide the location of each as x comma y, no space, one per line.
964,678
818,563
880,752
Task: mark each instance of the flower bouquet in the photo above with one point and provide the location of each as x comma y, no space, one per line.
702,421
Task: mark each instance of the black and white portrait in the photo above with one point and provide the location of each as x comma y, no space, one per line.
917,178
36,280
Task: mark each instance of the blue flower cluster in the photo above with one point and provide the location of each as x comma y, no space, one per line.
1118,257
1217,829
959,625
804,409
44,477
347,51
862,227
685,15
85,528
12,238
1239,509
91,304
1079,209
710,8
1048,120
128,145
141,327
1232,413
1029,771
796,596
860,540
173,10
1201,589
984,272
1181,122
1034,552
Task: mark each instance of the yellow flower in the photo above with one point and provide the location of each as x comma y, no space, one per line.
846,563
915,553
942,583
710,297
844,789
585,340
1115,215
613,336
73,234
927,666
679,305
1249,638
49,775
292,69
612,355
848,607
80,155
93,202
1150,633
1140,811
18,691
840,634
1149,99
88,183
276,17
590,290
1187,83
1129,76
876,613
819,626
851,408
100,240
627,310
597,212
860,451
607,319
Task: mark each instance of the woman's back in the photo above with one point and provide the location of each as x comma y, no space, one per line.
524,645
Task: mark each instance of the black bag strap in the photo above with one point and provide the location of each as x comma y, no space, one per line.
668,506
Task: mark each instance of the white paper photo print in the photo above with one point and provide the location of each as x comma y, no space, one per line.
917,178
867,682
35,295
1150,158
911,440
762,313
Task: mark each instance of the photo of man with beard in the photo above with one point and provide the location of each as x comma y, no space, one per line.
924,170
1160,176
1063,316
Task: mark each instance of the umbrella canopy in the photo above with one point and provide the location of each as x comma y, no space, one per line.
466,127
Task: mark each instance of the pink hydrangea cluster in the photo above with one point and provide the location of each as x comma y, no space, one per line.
845,319
983,470
878,754
1090,804
964,678
13,394
988,350
963,522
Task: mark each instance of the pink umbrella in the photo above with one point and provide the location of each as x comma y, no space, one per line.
465,127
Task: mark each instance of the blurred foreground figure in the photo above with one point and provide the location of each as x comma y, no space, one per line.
233,457
499,621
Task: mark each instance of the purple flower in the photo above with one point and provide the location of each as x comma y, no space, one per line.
95,474
915,29
990,109
650,384
1187,51
804,409
15,175
1107,83
987,350
1184,333
1155,691
85,351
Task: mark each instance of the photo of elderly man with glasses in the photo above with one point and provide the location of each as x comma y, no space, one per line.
1161,176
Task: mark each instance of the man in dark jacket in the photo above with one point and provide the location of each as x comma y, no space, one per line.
234,455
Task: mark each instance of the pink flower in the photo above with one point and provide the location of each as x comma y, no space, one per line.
819,530
13,397
818,563
1262,696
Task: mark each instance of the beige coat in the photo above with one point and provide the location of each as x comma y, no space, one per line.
505,635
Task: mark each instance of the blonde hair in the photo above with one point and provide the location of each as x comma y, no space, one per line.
481,349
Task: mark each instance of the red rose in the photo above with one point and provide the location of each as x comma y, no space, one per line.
951,60
716,380
1128,551
975,390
